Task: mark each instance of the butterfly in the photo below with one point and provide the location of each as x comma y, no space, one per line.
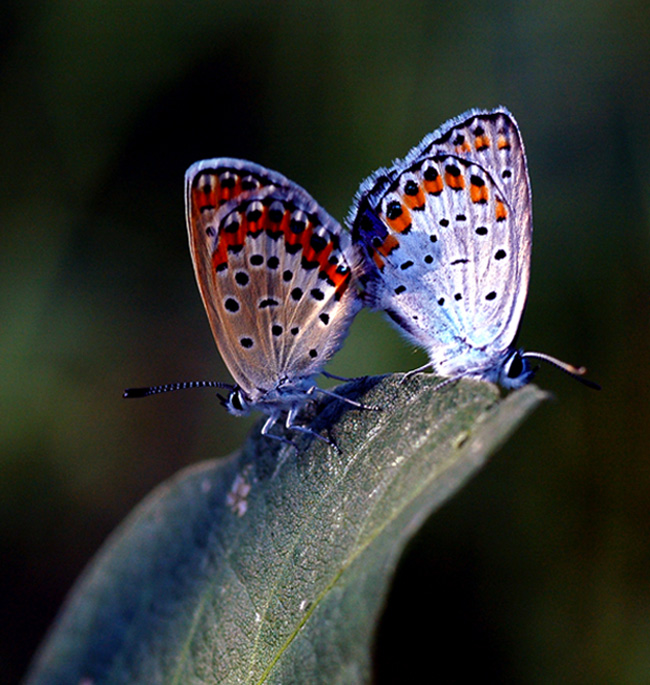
446,237
276,274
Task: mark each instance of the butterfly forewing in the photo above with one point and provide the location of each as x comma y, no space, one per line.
274,271
447,231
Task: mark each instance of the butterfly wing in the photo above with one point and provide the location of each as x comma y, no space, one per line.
447,236
275,272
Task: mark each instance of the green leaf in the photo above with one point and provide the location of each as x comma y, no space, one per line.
272,565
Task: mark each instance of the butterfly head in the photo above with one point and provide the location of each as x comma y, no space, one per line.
236,402
516,369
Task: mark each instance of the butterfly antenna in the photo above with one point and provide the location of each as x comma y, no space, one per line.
130,393
576,372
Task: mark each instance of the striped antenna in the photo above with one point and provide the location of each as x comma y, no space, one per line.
131,393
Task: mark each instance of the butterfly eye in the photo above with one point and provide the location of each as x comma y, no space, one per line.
237,401
514,366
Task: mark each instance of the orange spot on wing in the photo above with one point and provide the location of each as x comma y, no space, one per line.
307,250
378,260
342,283
435,186
204,195
239,236
402,222
220,255
290,237
465,147
455,182
502,142
501,212
482,142
340,280
227,193
334,275
323,256
390,243
414,200
478,194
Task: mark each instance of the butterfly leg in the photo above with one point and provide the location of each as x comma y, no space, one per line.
347,400
337,378
291,424
266,428
409,374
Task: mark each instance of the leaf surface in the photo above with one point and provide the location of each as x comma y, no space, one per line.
272,565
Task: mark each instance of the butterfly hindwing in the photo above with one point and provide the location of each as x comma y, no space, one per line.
447,236
274,271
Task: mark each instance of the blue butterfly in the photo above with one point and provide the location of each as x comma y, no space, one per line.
446,237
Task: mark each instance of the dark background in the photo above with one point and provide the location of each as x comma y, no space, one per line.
539,571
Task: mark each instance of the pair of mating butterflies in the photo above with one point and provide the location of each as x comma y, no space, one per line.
441,241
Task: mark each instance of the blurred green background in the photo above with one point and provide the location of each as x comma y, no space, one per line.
539,572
